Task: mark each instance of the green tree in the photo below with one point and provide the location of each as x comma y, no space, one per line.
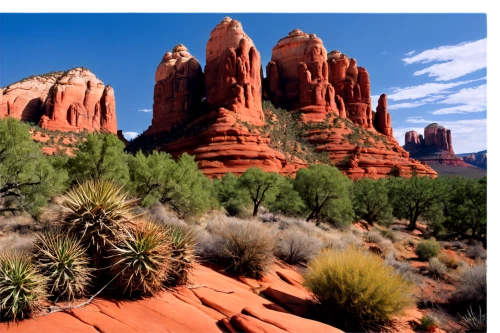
181,185
371,200
288,201
100,156
465,212
417,197
260,186
325,191
27,177
230,195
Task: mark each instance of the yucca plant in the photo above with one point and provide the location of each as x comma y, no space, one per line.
22,287
183,253
95,211
141,259
64,261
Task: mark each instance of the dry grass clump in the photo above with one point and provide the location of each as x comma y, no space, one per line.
242,246
472,286
63,260
358,286
449,259
141,258
474,321
389,234
22,286
436,268
476,252
427,249
374,237
296,246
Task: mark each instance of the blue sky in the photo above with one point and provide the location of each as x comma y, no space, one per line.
431,66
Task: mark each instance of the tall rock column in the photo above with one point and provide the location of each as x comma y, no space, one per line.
382,117
178,90
297,76
233,72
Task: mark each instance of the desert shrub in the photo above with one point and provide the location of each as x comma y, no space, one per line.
179,184
436,267
474,321
183,255
287,201
27,177
428,323
260,186
340,241
472,286
141,258
385,246
371,201
64,262
358,286
296,246
476,252
243,247
325,191
403,268
417,197
22,286
94,212
101,155
389,234
449,259
427,249
373,237
230,196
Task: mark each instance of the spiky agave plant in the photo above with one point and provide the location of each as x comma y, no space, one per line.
95,211
140,259
64,261
22,287
183,253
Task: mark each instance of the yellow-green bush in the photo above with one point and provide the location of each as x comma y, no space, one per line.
358,285
428,249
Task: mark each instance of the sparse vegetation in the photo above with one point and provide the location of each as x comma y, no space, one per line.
427,249
64,262
295,246
357,285
22,286
436,268
183,254
243,247
474,321
472,287
428,323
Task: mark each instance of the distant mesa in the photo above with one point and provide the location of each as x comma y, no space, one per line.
73,100
217,114
478,159
435,148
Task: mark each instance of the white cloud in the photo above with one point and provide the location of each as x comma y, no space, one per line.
467,135
410,53
385,52
144,110
425,90
406,105
130,135
452,61
470,100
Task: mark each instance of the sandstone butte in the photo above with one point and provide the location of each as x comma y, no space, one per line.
215,303
70,101
435,146
218,115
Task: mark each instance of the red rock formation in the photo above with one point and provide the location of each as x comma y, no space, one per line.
382,117
67,101
412,137
331,89
233,72
438,136
297,76
178,89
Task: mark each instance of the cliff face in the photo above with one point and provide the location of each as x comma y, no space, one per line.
326,94
66,101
